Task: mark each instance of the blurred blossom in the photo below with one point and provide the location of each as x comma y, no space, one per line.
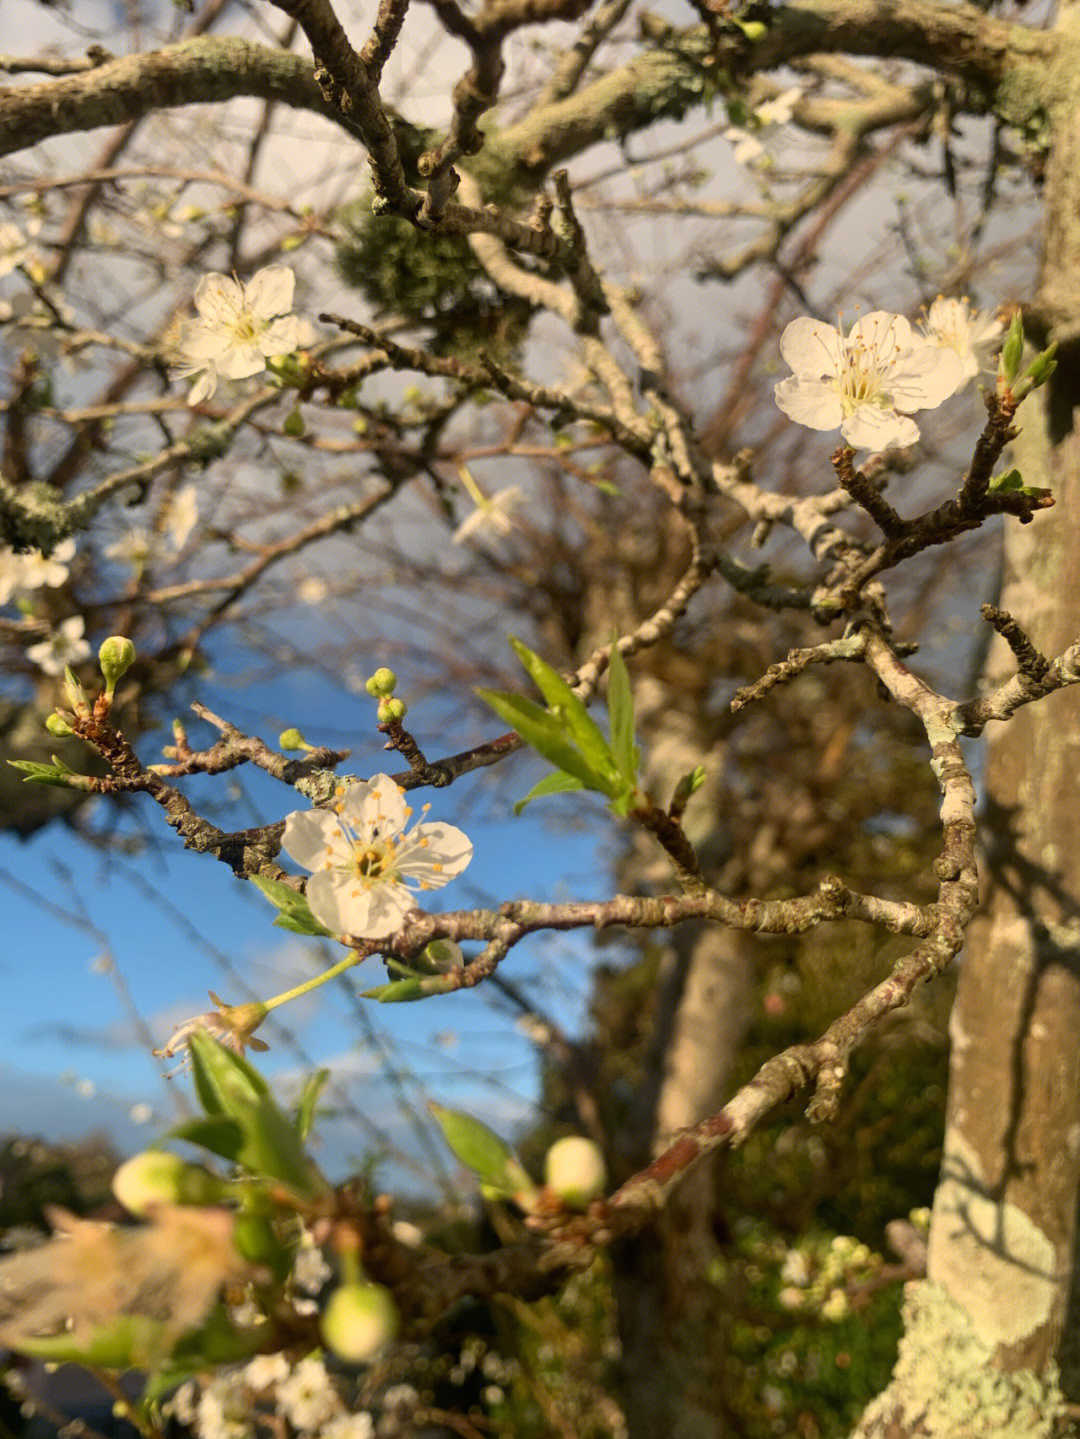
65,646
308,1398
312,591
954,325
21,574
15,247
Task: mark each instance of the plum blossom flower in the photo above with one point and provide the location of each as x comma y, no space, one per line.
65,646
237,329
777,111
19,574
308,1398
866,383
16,250
365,865
233,1025
492,511
954,325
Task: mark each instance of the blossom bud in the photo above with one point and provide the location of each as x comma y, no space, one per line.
57,725
157,1177
1012,351
392,711
381,684
294,425
359,1320
290,739
575,1170
440,956
116,656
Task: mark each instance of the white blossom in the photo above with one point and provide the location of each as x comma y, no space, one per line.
138,548
265,1370
65,646
308,1398
350,1426
21,574
237,329
492,511
866,383
954,325
365,864
180,515
15,248
777,111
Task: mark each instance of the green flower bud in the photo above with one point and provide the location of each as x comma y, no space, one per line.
254,1238
57,725
1012,351
392,711
157,1177
116,656
382,683
440,956
294,425
575,1170
292,739
359,1320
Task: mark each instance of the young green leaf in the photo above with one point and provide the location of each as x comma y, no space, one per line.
480,1149
578,725
544,733
557,783
295,913
621,713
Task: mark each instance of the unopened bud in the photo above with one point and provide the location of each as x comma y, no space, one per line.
440,956
76,695
392,711
381,684
116,656
359,1321
294,424
575,1170
57,725
290,739
158,1177
1042,367
1012,351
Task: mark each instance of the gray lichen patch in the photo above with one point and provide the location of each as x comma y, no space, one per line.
946,1386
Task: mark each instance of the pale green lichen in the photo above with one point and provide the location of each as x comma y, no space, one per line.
946,1385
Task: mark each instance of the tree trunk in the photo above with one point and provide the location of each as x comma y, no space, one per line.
988,1330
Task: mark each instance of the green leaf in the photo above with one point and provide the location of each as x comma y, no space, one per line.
131,1341
565,706
557,783
1011,480
269,1143
621,713
545,734
57,773
401,991
309,1100
622,803
480,1149
215,1133
295,912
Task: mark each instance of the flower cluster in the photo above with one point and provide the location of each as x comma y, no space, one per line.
237,329
868,382
364,862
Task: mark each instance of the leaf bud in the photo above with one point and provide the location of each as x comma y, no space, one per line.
76,695
441,956
382,683
1011,352
294,425
359,1321
157,1177
58,726
1042,367
575,1170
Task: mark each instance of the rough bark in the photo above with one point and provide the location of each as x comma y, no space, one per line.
987,1332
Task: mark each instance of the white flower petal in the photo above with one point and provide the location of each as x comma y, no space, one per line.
887,334
434,854
269,292
924,377
873,428
377,806
316,839
812,348
812,403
